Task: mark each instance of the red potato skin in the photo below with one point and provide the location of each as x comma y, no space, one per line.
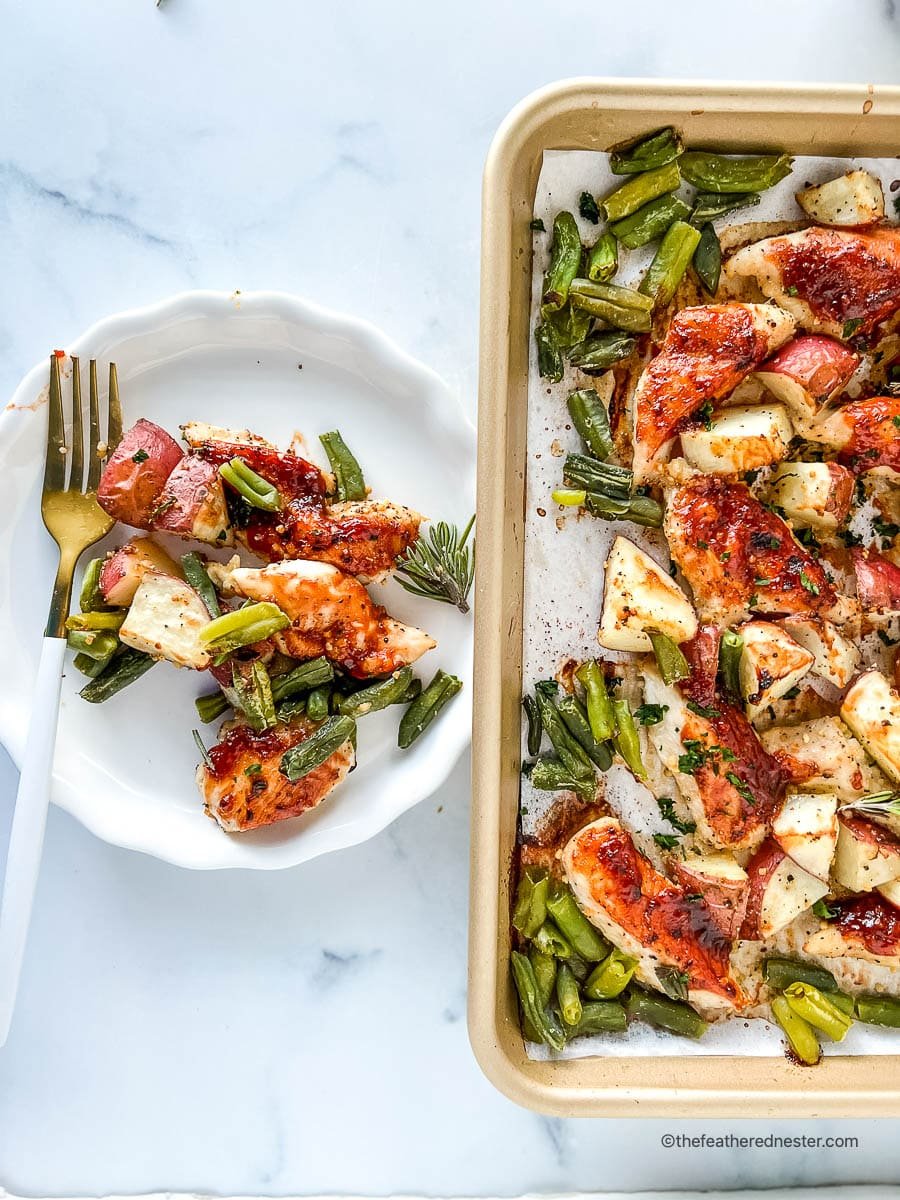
760,869
184,494
129,489
877,581
822,366
841,496
726,900
122,572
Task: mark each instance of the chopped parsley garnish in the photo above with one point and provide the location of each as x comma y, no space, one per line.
793,290
701,545
702,711
587,206
807,538
697,755
896,421
791,693
761,581
849,538
741,788
885,529
821,909
724,556
851,326
538,225
705,413
667,810
765,541
666,841
140,456
809,584
650,714
753,601
673,982
253,769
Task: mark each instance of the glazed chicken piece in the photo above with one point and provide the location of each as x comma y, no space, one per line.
364,537
707,351
648,917
331,614
738,556
731,784
866,432
866,927
841,282
243,787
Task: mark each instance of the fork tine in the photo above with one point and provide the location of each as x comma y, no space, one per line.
114,420
76,470
94,461
55,459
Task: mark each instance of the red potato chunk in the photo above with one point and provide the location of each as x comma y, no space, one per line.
877,583
123,571
192,504
136,474
807,373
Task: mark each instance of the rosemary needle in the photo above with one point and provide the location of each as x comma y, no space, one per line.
440,566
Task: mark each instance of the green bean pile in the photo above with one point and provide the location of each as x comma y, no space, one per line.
570,981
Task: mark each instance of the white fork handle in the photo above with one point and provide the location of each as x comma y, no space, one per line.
26,839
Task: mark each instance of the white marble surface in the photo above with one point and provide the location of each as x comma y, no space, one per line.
305,1032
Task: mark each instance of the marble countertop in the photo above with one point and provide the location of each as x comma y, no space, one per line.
305,1031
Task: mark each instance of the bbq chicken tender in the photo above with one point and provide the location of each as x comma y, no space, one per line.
739,557
363,537
331,613
243,788
826,278
648,916
707,351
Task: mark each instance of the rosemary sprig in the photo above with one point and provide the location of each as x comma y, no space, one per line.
880,802
440,566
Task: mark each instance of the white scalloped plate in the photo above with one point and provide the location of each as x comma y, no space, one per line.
277,364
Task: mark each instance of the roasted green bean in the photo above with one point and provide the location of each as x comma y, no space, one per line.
651,221
603,259
878,1010
606,479
379,695
646,152
800,1035
565,260
567,996
542,1020
626,740
641,190
252,694
425,708
611,976
349,481
598,300
548,774
600,713
780,973
600,1016
670,262
549,352
211,706
720,173
590,418
318,704
708,258
600,351
530,911
817,1010
673,666
570,325
544,967
96,622
242,627
127,666
571,754
297,762
258,492
731,651
575,720
574,925
196,574
302,678
91,597
708,206
664,1013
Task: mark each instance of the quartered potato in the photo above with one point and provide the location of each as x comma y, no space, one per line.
812,495
852,199
739,439
871,709
165,620
772,663
640,595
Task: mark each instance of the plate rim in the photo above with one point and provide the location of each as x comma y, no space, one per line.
378,346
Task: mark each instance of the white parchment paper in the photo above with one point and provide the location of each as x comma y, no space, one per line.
565,554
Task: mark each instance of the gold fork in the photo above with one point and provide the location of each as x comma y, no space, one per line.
75,521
